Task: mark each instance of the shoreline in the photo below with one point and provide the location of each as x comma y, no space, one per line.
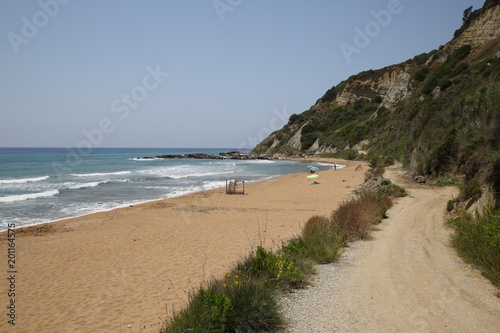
189,192
136,265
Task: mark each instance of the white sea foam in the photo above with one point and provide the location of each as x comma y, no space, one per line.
23,180
198,174
180,172
223,162
259,161
188,190
29,196
101,174
330,165
85,185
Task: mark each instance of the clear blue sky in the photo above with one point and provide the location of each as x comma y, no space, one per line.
192,73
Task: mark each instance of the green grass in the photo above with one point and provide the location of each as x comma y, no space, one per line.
235,303
445,181
477,240
246,298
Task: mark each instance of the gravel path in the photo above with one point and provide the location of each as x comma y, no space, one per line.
406,279
313,309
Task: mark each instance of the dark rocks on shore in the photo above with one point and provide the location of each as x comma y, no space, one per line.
232,155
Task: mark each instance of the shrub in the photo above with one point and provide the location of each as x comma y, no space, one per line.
429,85
322,239
331,94
477,239
356,217
237,303
348,154
488,67
385,182
445,84
460,53
315,227
359,104
254,304
422,58
301,254
392,190
445,181
389,160
421,74
308,129
293,118
308,139
450,205
374,161
471,189
207,312
460,69
276,268
378,164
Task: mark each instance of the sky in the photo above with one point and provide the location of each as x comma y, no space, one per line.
193,73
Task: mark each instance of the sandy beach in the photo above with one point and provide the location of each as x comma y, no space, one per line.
135,265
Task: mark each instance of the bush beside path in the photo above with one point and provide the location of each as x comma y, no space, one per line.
407,278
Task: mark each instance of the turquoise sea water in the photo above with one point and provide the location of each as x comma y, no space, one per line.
40,185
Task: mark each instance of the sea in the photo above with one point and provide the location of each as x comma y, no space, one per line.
40,185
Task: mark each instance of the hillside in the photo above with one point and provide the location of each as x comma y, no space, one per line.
438,113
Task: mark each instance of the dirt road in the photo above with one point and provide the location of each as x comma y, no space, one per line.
406,279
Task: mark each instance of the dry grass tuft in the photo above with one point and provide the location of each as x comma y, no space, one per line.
357,216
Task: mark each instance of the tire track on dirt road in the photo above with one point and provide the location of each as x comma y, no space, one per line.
405,279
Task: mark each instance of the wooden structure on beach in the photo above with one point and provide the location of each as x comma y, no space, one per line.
235,187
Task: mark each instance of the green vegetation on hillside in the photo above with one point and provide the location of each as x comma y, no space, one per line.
450,125
447,126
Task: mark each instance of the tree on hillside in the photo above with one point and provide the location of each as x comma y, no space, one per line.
467,13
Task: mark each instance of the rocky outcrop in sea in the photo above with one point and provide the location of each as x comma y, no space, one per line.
232,155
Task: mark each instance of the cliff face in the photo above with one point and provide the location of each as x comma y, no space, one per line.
392,85
353,113
481,30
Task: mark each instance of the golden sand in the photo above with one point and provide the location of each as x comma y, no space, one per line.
135,265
